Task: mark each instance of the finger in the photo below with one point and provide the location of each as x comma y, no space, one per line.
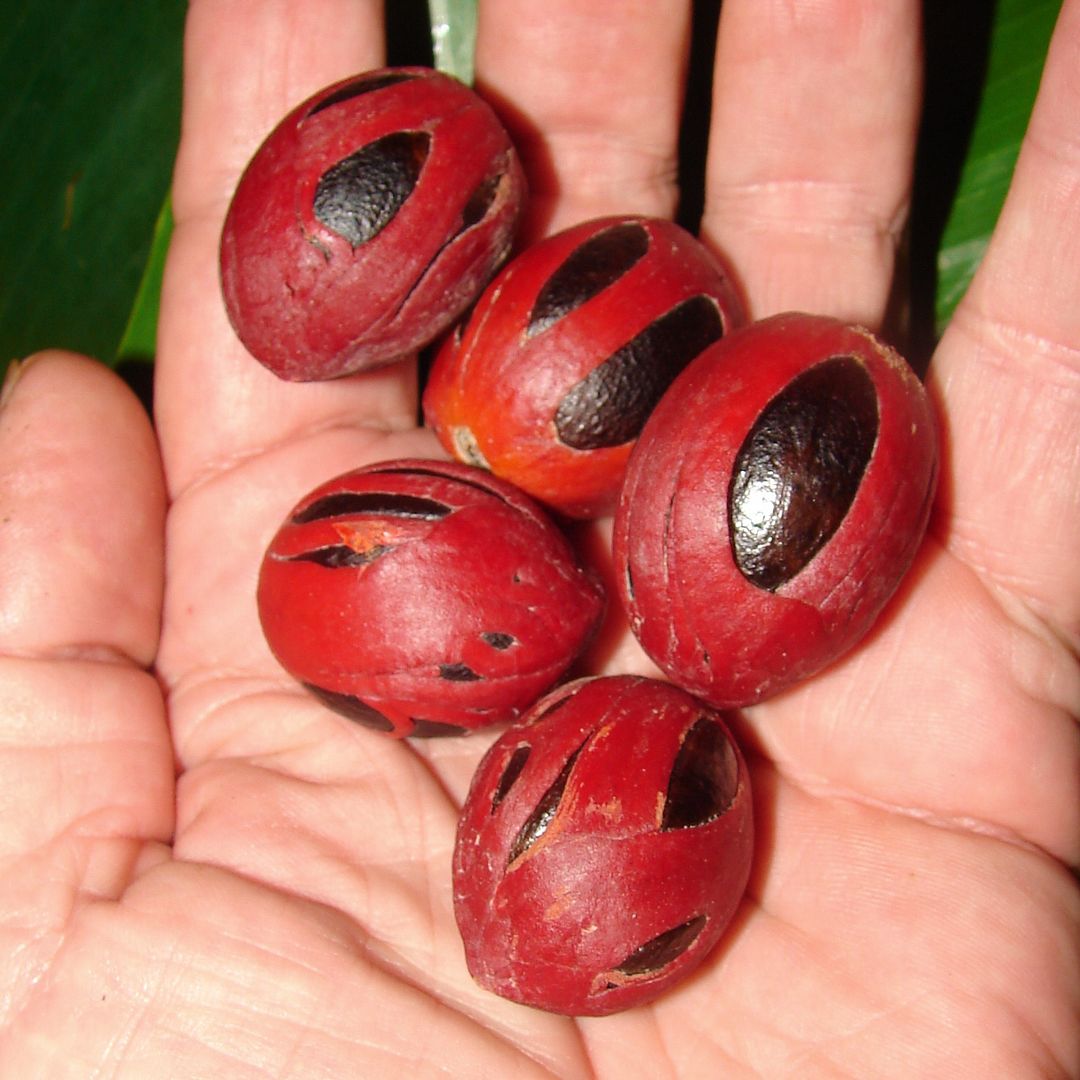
592,95
1008,367
85,759
815,112
993,749
246,64
82,507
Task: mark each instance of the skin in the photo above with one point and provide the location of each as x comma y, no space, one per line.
207,874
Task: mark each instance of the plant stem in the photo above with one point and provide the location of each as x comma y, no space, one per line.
453,36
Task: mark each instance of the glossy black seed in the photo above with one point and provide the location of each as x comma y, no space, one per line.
364,85
799,469
498,640
704,777
351,707
481,200
510,774
662,949
552,708
590,268
359,196
544,814
434,729
611,404
340,556
372,502
474,211
478,485
458,673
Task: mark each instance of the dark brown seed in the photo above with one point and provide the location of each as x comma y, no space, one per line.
510,774
414,471
544,814
364,85
799,469
704,777
482,199
351,707
544,713
589,269
359,196
372,502
611,404
434,729
340,556
662,949
458,673
498,640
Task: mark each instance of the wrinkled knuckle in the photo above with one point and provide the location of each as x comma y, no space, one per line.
810,208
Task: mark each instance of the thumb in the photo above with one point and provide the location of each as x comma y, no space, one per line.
86,766
81,513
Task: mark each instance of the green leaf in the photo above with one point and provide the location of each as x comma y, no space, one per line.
138,341
91,95
1018,42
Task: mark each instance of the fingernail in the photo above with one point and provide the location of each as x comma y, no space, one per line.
16,369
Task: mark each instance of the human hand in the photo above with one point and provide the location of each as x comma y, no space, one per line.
208,874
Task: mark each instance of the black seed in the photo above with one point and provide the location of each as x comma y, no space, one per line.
351,707
480,201
588,270
662,949
799,469
339,556
434,729
510,774
704,777
474,211
458,673
610,405
553,707
478,484
372,502
364,85
544,814
358,197
498,640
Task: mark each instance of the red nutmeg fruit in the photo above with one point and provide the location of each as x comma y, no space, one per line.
569,349
604,847
773,503
367,221
424,598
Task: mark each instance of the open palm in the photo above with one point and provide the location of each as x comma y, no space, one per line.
205,873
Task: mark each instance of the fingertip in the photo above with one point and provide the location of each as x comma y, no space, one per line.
81,512
49,365
16,369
